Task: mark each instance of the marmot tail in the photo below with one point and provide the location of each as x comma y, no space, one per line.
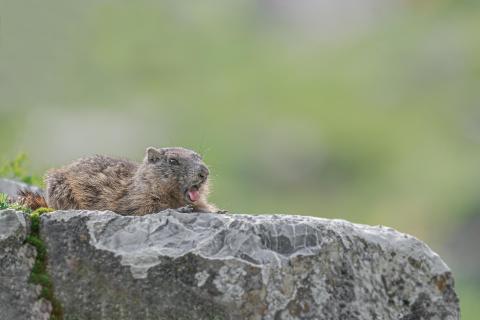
31,199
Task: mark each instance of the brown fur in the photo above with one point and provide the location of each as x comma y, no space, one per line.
126,187
31,199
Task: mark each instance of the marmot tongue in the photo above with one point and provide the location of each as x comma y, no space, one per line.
193,194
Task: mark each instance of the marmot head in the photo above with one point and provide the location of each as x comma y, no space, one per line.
182,170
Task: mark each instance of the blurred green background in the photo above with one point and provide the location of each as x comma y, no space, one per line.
361,110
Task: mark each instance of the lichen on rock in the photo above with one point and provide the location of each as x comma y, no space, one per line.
19,298
173,265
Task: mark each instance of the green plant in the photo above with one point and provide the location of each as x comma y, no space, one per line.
39,273
4,203
17,169
19,207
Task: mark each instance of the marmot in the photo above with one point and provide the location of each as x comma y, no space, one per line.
167,178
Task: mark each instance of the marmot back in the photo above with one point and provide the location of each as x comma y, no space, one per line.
167,178
95,183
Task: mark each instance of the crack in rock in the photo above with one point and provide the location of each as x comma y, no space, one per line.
173,265
19,299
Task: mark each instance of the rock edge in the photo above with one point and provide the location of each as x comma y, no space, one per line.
173,265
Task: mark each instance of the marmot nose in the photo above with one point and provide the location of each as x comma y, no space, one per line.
203,173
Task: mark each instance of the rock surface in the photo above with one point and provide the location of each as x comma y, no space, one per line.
11,187
173,265
18,298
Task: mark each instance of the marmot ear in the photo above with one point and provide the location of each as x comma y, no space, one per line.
153,155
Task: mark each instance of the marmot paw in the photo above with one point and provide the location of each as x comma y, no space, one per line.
186,209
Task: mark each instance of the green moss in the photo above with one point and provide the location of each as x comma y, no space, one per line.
16,169
43,210
39,273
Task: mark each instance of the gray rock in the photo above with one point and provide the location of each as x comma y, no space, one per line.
11,187
18,298
175,265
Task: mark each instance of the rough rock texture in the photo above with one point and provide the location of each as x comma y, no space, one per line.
18,298
174,265
11,187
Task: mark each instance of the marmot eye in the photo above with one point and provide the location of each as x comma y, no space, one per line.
173,161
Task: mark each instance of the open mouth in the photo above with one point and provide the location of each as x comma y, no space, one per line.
193,193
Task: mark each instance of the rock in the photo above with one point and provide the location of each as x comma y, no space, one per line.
11,187
18,298
173,265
